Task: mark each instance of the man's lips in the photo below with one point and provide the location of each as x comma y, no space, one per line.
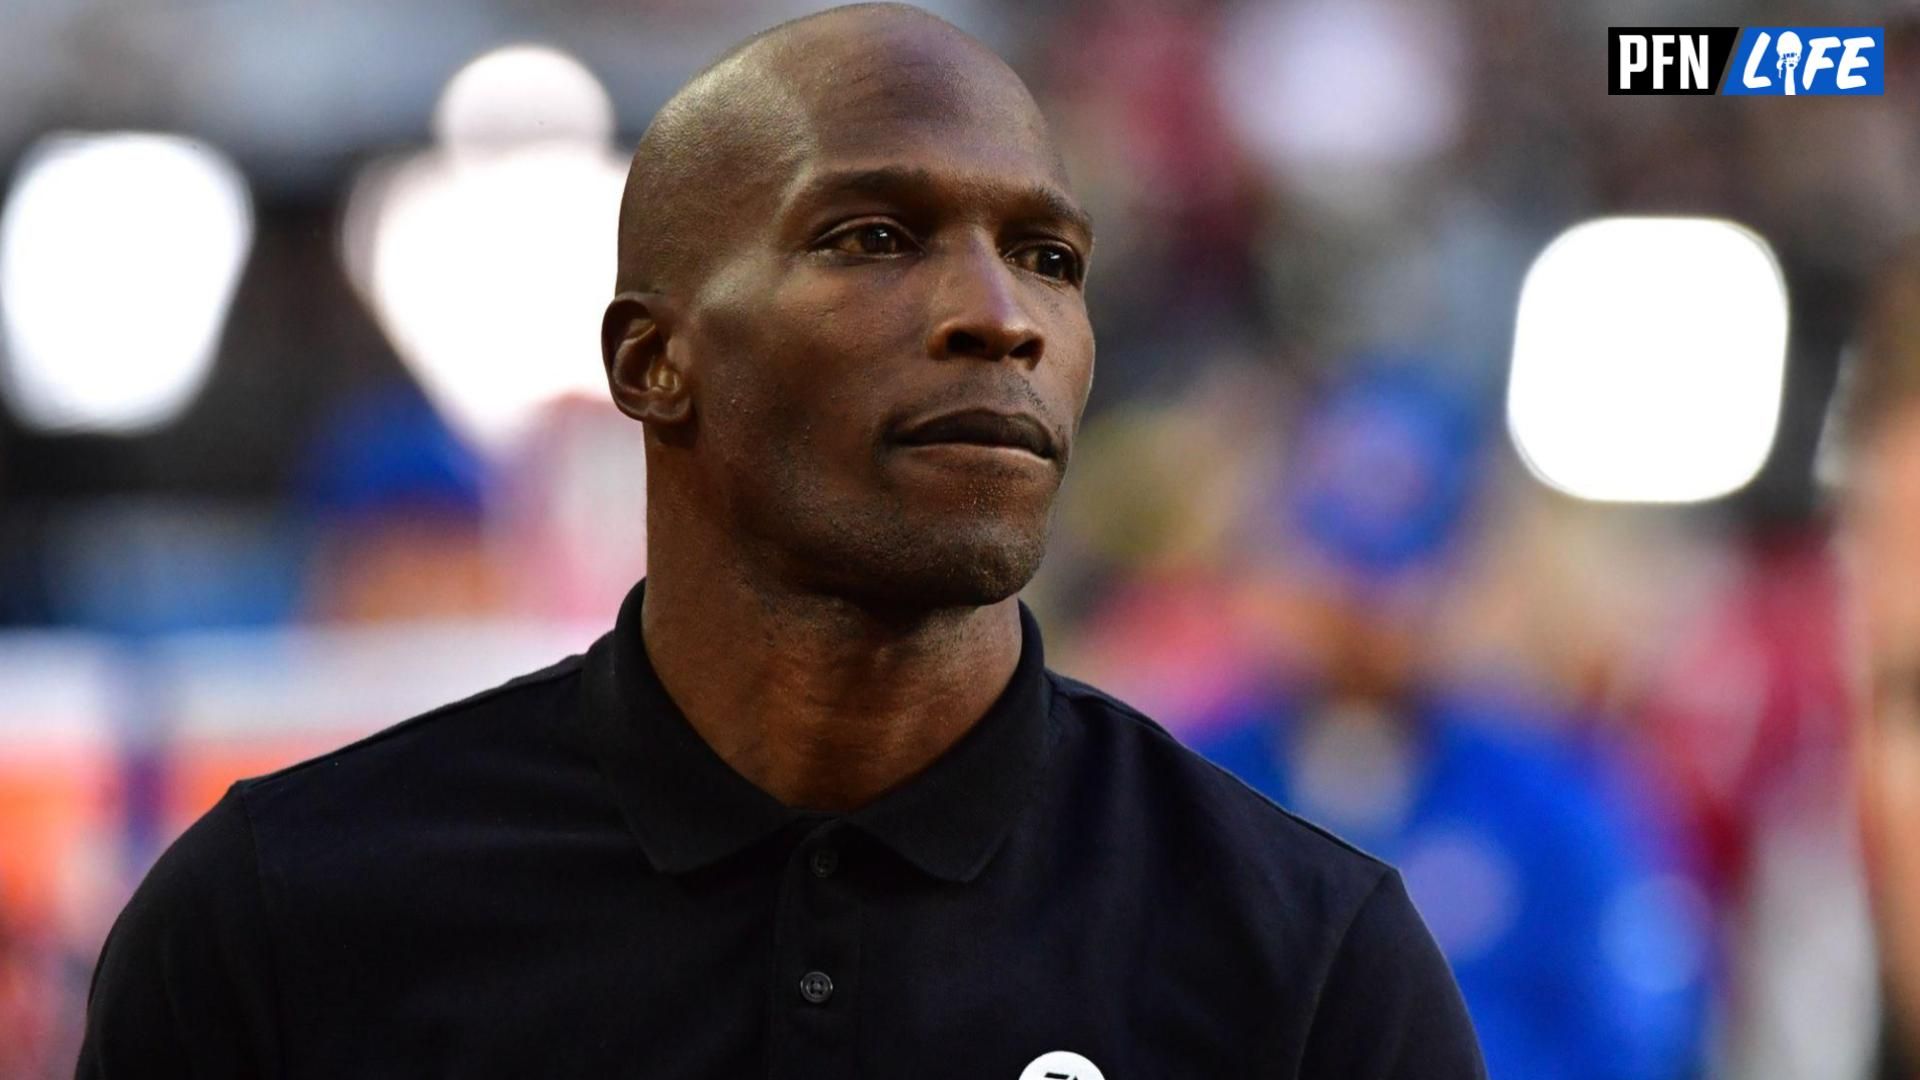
981,427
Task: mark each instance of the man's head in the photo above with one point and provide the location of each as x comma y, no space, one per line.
850,290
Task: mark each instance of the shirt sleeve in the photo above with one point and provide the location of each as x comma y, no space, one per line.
182,987
1389,1009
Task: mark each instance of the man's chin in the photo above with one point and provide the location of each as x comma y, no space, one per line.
949,566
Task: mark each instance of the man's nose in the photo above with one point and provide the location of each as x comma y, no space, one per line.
980,313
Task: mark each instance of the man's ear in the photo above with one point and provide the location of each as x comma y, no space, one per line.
646,383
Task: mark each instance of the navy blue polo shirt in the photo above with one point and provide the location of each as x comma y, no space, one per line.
559,878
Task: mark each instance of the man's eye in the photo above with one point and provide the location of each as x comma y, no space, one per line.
1050,260
876,238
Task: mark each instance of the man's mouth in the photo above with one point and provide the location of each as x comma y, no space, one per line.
982,427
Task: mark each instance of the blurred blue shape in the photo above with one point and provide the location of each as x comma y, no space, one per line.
149,566
1559,892
1385,465
386,451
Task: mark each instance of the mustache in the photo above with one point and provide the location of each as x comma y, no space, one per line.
1005,398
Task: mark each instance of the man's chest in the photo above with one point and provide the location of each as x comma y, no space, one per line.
802,967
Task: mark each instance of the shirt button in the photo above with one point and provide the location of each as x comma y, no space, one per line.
816,987
825,861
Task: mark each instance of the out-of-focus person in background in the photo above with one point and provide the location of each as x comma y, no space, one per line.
1881,426
1545,863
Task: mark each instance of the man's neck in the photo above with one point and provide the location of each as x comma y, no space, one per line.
815,700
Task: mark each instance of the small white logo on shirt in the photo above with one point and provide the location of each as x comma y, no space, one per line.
1061,1065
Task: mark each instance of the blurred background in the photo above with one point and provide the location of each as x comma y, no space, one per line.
1505,550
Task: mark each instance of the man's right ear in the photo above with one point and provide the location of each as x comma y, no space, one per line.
646,383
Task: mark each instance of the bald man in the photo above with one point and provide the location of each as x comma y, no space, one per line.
815,807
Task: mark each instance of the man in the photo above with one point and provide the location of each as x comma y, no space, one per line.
1531,849
1882,542
814,807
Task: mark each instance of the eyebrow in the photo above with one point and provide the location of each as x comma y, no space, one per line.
905,183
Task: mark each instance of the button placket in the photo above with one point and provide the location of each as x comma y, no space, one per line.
816,958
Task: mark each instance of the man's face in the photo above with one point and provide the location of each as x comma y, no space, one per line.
889,342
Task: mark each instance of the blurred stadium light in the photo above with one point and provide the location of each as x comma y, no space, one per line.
1287,74
1648,359
119,254
488,258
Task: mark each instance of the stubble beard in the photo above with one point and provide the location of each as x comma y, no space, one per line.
904,561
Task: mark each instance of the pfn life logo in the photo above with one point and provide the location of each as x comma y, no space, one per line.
1808,60
1789,61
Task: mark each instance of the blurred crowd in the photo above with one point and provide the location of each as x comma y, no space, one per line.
1650,769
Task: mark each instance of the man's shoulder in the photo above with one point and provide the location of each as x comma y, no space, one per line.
1182,792
442,746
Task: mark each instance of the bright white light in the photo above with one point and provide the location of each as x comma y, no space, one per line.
489,259
522,94
1335,95
1647,359
119,255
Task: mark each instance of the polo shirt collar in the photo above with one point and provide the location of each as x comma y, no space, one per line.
688,808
